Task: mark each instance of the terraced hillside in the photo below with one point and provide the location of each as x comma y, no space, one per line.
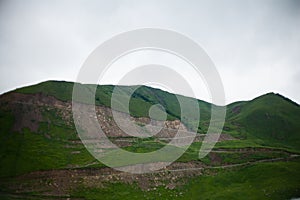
42,156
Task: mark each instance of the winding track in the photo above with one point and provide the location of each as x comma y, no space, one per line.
234,165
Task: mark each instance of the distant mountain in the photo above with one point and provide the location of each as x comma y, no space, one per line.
37,130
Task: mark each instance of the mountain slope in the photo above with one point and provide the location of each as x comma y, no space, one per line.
37,130
141,101
270,117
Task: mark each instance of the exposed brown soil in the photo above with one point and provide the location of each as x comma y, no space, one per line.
29,109
61,183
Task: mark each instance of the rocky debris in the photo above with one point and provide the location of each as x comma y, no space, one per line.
62,182
30,109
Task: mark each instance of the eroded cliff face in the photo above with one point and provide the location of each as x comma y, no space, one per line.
29,110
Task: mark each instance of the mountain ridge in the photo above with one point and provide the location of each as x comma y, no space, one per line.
111,85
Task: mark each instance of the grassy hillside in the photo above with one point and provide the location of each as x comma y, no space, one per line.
266,128
141,101
50,147
270,117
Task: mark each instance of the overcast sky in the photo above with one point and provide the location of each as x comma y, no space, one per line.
255,45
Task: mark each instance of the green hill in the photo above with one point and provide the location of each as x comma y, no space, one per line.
141,101
34,137
270,117
270,120
38,141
